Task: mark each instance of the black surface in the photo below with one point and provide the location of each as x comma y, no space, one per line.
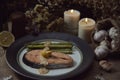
11,55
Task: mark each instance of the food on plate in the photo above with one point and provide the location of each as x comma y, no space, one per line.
64,47
47,59
48,55
49,42
51,45
43,70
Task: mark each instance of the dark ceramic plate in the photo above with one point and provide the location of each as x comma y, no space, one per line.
82,56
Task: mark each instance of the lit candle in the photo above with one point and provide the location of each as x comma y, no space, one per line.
86,26
71,19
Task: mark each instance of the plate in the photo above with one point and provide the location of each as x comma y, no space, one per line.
82,55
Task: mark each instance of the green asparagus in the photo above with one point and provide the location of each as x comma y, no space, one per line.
64,47
66,51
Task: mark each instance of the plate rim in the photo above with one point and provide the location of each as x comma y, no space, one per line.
56,35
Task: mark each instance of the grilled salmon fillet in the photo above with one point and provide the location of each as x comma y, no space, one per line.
34,58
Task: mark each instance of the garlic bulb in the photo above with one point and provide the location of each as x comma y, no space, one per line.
113,33
100,35
101,51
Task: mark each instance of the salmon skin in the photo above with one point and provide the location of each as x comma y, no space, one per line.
56,60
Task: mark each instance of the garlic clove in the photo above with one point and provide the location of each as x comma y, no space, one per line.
101,51
105,65
105,43
115,44
100,35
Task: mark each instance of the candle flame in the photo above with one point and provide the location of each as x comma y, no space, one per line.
71,11
86,20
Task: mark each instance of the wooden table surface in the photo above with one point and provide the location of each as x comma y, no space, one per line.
90,74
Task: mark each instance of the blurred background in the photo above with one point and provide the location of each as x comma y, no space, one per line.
53,10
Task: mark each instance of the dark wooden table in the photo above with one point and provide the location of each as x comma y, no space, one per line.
90,74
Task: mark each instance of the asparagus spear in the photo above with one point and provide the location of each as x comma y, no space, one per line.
66,51
50,46
64,47
42,43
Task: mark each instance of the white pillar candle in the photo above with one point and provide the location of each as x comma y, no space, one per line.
71,19
86,26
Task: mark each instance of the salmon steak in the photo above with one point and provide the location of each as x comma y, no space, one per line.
54,60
